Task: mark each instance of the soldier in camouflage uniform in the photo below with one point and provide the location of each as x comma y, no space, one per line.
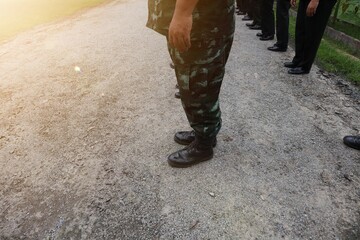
199,35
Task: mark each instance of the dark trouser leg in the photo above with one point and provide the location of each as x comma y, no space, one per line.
256,6
241,5
282,23
199,73
300,32
267,17
238,4
245,6
315,27
250,11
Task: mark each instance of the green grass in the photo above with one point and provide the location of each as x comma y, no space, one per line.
335,57
355,52
335,60
20,15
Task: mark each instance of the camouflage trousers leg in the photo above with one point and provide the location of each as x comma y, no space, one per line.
199,73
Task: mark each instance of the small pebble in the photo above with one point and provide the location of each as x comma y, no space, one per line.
194,224
347,177
77,69
326,176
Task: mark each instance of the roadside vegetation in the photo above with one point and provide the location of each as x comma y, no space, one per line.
334,56
20,15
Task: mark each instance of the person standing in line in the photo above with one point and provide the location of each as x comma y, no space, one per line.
255,14
199,35
282,25
311,20
240,7
247,6
267,20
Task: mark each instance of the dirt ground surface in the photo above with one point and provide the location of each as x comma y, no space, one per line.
87,122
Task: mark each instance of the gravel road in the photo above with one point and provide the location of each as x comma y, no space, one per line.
88,118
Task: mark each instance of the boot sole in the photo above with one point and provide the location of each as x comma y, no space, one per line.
352,146
175,165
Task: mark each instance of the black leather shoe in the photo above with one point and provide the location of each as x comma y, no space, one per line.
277,48
191,155
246,18
259,34
250,24
298,71
352,141
255,27
187,137
266,38
290,65
177,95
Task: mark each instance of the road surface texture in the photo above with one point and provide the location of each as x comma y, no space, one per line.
88,116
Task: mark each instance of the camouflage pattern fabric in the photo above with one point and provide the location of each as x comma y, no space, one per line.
200,70
211,18
199,74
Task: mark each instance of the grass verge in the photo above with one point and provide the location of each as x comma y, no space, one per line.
333,56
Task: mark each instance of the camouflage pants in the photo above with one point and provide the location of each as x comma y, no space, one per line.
199,73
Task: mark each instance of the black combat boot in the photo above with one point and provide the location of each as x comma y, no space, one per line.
187,137
352,141
195,153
